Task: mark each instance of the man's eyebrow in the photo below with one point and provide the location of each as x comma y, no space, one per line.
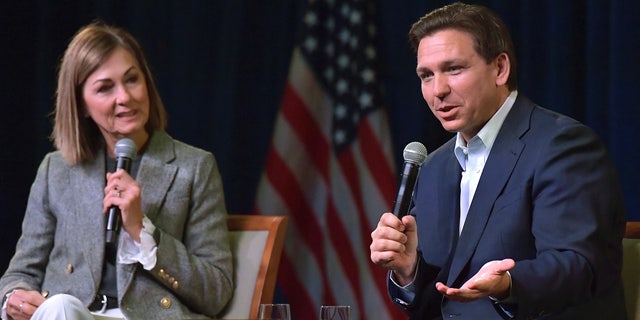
442,65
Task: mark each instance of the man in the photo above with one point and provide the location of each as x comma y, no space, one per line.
519,215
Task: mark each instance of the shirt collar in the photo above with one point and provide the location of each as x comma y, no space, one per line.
487,135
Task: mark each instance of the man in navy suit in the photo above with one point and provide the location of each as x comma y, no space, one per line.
520,214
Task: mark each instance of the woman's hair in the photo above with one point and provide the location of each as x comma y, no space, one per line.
76,135
490,34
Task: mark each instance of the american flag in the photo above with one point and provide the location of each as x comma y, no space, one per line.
329,167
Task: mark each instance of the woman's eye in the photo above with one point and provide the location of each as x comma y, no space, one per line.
132,79
103,89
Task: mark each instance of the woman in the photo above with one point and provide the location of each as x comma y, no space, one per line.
171,259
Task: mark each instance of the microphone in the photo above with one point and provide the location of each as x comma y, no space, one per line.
414,155
125,151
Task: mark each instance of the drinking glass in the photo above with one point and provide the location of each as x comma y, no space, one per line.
279,311
335,313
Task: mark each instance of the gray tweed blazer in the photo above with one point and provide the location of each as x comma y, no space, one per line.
61,249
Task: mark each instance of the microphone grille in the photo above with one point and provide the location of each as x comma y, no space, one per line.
126,148
415,152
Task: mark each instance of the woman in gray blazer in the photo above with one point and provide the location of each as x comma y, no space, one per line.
171,258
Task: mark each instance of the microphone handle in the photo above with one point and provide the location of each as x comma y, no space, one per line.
113,218
113,224
405,191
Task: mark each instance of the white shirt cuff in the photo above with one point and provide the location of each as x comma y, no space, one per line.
144,251
407,292
4,305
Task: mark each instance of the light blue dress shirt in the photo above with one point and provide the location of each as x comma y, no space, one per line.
472,156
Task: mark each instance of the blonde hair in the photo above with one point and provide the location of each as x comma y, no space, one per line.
74,134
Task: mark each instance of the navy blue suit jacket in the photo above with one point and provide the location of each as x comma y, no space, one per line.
548,198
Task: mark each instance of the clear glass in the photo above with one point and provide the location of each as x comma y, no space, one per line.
335,313
274,312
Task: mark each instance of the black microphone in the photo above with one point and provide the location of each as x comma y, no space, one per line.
414,155
125,151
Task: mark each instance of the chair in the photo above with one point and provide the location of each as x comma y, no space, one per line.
256,243
631,269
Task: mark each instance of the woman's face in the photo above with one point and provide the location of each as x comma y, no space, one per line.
115,97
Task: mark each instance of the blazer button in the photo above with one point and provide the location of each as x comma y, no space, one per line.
161,272
165,303
69,268
175,285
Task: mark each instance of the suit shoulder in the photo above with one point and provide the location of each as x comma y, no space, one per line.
541,116
189,154
443,151
54,159
183,148
163,143
555,123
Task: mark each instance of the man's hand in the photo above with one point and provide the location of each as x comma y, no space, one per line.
492,280
394,246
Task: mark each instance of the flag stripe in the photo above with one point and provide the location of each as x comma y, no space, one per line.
339,239
305,129
283,180
329,167
304,305
376,162
350,169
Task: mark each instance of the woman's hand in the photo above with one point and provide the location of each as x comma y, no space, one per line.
22,304
124,192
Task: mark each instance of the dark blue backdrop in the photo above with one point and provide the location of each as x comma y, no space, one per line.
221,65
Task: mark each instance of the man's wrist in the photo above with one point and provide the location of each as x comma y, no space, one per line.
504,294
404,281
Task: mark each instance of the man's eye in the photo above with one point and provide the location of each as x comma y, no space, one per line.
425,76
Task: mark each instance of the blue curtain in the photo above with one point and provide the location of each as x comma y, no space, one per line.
221,66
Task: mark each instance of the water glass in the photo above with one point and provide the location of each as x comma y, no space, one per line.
335,313
274,312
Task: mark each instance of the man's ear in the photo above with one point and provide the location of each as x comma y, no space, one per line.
503,69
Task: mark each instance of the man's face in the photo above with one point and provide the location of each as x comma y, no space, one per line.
462,90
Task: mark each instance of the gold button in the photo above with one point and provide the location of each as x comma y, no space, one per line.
165,303
69,268
171,279
161,272
175,285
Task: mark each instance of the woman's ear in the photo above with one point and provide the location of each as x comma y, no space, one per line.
83,109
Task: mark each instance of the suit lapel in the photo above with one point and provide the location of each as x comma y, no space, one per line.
451,177
503,157
156,173
155,176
